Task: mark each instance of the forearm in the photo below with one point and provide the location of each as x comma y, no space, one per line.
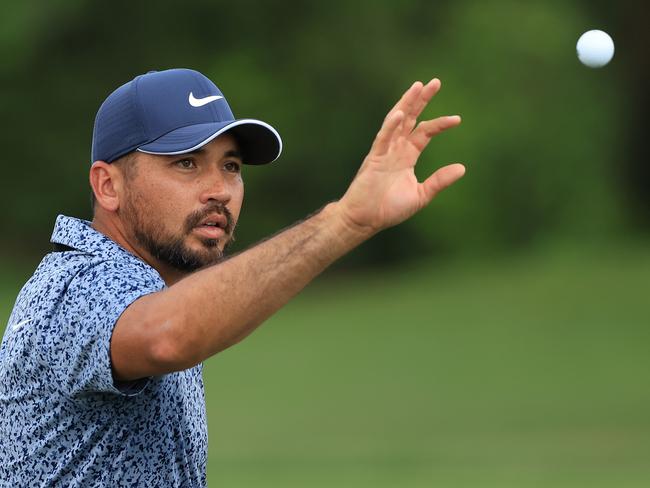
226,302
216,307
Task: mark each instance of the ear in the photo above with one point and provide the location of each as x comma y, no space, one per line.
107,182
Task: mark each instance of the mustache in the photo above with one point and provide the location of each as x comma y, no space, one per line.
195,218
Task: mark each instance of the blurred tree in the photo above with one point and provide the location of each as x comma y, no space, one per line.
628,23
537,132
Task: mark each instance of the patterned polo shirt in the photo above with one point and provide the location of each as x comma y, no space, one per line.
64,421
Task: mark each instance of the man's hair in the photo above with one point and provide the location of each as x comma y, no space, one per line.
128,166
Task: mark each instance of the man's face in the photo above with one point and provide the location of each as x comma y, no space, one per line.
182,210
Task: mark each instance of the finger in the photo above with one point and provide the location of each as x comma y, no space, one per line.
427,93
407,99
441,179
386,133
425,130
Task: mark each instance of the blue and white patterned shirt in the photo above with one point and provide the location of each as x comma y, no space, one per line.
63,419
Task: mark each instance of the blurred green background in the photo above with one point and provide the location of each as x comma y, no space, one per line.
497,339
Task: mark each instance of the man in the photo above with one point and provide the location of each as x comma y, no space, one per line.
100,365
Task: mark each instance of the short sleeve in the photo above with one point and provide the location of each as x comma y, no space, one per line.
79,346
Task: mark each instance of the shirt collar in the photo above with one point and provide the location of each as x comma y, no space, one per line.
80,235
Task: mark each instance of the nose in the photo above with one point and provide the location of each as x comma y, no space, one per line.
215,187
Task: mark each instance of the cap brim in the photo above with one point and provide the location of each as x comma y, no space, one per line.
258,142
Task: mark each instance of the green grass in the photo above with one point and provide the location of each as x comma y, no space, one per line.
522,372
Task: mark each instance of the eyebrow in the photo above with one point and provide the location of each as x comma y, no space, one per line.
232,153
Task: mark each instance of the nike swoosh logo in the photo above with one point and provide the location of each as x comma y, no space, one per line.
20,324
199,102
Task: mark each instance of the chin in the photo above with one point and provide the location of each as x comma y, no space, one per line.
210,243
210,249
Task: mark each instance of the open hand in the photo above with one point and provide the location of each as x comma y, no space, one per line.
386,191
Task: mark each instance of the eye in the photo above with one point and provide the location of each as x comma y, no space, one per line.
232,167
185,163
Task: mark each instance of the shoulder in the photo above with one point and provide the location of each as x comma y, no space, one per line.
69,281
113,281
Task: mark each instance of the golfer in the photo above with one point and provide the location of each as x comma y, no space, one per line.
100,364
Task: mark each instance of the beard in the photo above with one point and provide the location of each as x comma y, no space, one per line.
171,249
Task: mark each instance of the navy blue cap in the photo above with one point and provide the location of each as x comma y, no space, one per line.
175,112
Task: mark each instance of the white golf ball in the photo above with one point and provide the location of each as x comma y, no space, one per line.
595,48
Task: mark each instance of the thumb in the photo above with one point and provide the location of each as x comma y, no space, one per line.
441,179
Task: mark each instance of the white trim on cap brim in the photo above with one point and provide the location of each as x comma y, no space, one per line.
218,133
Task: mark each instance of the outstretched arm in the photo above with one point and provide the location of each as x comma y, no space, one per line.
216,307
